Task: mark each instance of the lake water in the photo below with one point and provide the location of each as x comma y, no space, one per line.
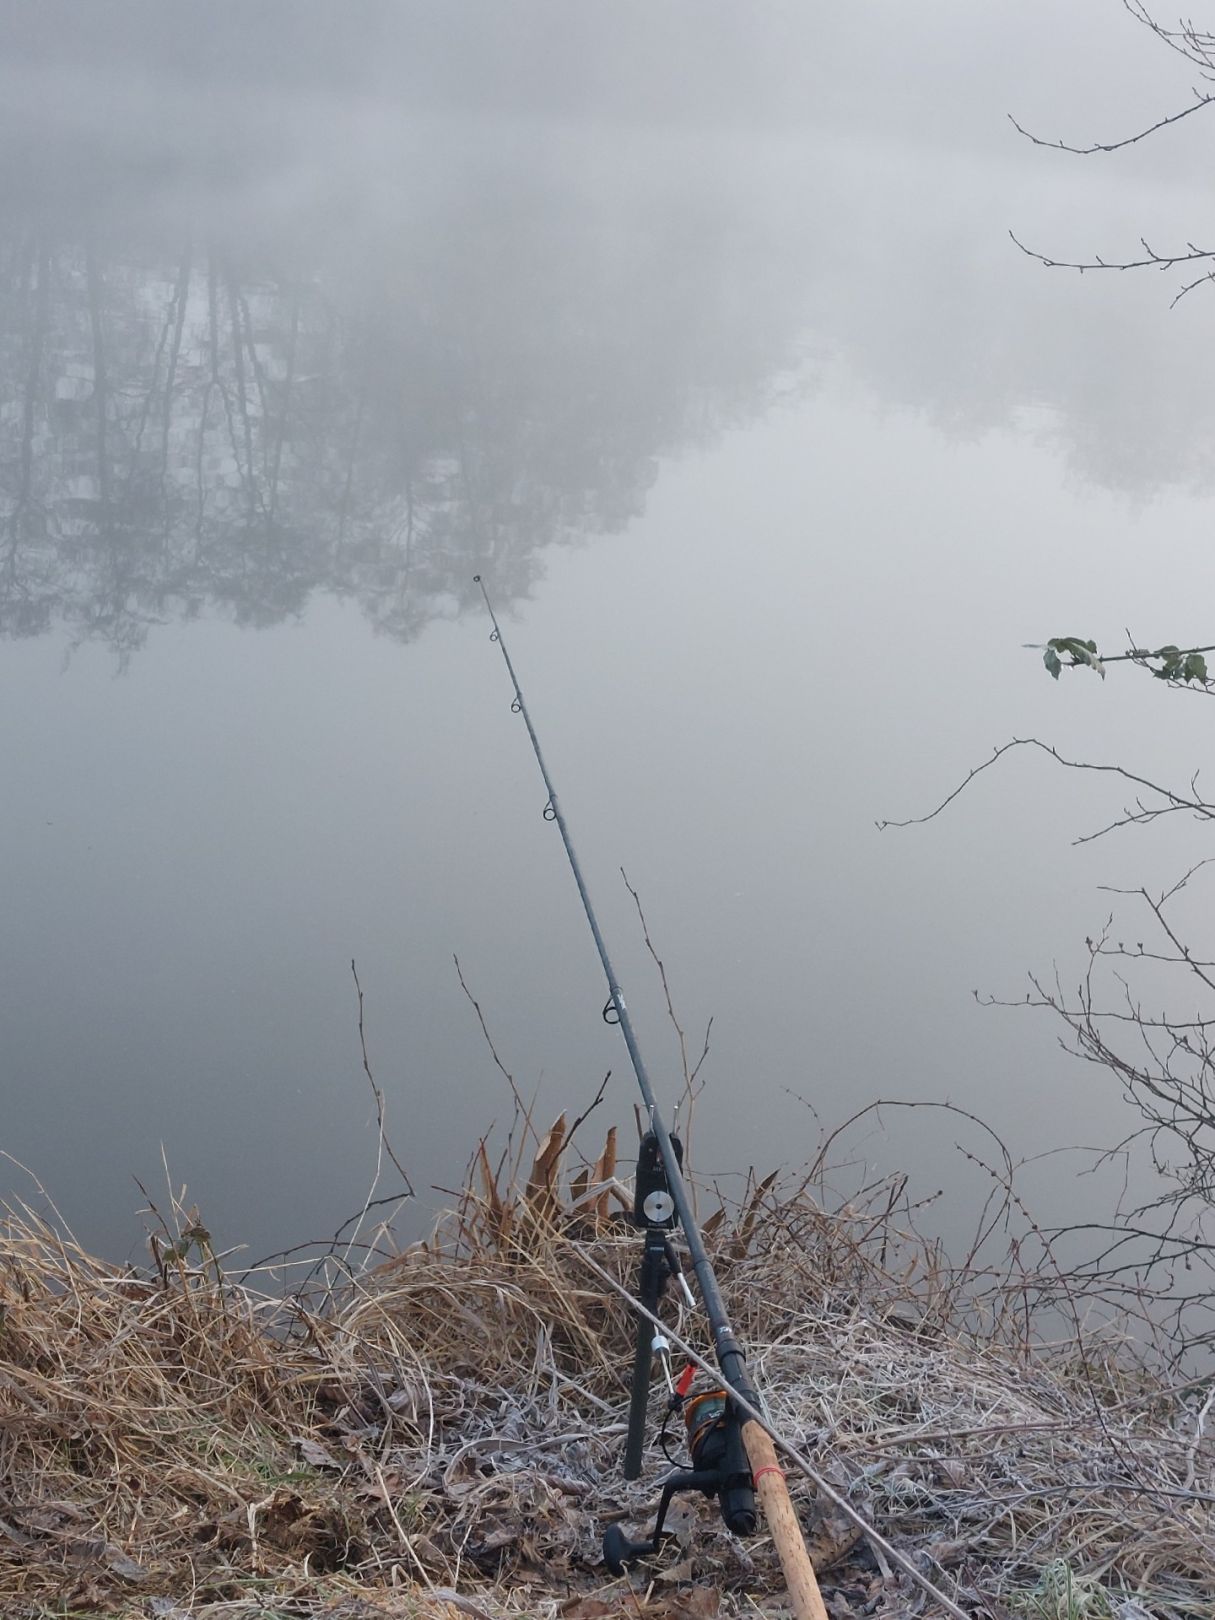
700,334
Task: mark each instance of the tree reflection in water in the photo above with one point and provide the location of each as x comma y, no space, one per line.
200,431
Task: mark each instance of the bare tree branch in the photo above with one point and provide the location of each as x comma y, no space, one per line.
1196,47
1140,813
1199,102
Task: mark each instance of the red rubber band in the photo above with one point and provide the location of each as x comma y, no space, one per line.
768,1468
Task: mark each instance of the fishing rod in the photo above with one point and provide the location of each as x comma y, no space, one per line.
732,1456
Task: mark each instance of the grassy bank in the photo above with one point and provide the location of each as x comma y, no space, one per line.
438,1432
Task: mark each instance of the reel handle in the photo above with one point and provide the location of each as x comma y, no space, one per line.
619,1552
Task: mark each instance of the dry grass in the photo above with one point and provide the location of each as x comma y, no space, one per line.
439,1434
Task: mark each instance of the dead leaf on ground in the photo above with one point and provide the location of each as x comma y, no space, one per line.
697,1603
312,1451
587,1608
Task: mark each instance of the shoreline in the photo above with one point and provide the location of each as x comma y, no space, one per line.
440,1432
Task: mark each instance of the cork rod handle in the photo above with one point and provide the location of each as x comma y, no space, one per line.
773,1495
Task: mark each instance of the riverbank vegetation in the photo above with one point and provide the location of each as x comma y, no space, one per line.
438,1431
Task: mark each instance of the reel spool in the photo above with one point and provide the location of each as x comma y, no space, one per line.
719,1468
717,1452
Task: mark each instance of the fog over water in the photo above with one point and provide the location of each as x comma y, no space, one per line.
697,330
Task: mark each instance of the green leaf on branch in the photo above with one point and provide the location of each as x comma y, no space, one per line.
1171,663
1075,650
1178,665
1168,663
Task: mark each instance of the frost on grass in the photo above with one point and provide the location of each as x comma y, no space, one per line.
438,1432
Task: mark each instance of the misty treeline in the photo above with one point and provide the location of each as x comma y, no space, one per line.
202,431
227,389
184,435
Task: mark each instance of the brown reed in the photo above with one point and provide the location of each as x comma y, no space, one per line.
438,1432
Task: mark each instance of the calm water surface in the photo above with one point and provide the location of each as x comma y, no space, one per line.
707,346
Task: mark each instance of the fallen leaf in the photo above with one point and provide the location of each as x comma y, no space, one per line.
698,1603
312,1451
504,1536
105,1552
